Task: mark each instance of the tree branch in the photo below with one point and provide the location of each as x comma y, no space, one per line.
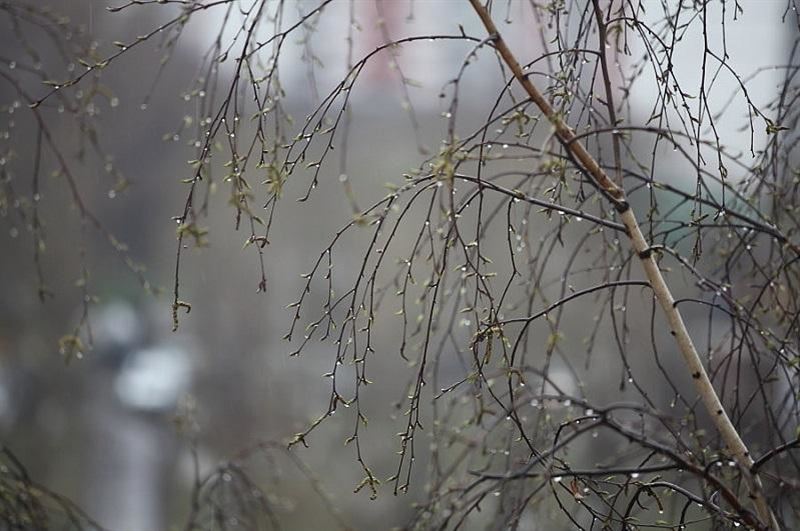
702,382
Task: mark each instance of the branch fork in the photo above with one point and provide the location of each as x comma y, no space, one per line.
616,194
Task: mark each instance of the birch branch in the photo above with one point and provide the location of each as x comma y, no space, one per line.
616,195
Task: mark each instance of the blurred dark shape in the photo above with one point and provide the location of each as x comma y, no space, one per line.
118,329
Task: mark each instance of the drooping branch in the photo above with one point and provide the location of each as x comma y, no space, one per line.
641,247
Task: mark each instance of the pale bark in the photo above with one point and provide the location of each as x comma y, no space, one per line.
694,364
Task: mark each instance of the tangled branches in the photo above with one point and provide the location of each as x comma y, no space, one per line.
549,375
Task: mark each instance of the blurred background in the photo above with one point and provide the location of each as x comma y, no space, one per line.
115,429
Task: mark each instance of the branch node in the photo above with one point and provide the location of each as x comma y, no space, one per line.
645,254
622,206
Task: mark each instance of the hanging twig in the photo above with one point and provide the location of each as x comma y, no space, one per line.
616,194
